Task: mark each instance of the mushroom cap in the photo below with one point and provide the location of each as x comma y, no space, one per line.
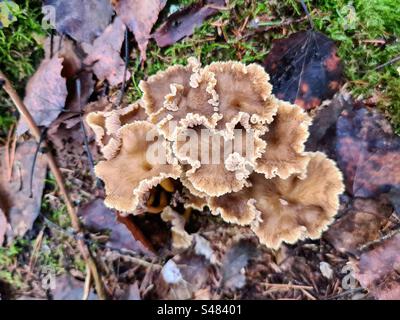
242,89
105,125
217,164
172,94
143,161
286,210
285,140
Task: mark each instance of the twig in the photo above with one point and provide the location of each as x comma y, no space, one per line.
35,131
36,248
125,253
308,14
281,24
42,137
88,281
85,136
121,95
395,59
284,286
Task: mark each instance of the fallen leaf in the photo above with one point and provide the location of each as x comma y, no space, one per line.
69,288
368,153
139,16
98,217
304,68
105,56
46,93
3,226
183,276
379,270
16,203
359,224
234,262
82,20
323,128
183,23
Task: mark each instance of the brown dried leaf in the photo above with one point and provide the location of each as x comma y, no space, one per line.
20,209
97,216
139,16
304,68
359,225
183,23
368,153
104,54
379,270
46,93
83,20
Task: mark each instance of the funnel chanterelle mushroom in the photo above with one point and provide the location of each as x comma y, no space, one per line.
264,179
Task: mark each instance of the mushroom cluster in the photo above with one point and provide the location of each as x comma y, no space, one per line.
230,142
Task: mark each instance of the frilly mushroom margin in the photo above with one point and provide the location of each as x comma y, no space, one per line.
281,192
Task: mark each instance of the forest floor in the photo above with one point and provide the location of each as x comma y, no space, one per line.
366,34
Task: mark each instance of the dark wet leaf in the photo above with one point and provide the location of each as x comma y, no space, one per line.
83,20
379,270
304,68
139,16
104,54
359,224
236,258
368,153
323,128
183,23
97,217
46,93
16,203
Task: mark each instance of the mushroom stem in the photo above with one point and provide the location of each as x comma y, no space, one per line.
55,170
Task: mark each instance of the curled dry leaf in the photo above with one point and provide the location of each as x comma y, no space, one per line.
16,203
139,16
379,270
183,23
46,93
304,68
82,20
105,56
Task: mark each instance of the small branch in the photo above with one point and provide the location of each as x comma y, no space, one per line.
395,59
307,13
121,95
35,131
